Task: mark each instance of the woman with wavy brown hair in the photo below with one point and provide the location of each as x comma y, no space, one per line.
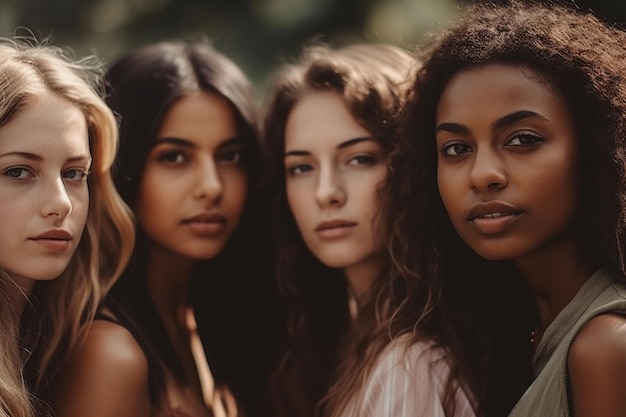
514,157
360,339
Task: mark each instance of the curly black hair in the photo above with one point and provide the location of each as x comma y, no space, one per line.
581,58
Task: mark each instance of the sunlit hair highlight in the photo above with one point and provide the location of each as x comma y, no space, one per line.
60,311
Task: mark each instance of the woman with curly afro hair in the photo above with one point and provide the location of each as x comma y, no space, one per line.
514,166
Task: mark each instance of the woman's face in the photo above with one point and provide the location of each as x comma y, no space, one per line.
507,161
193,185
44,199
333,168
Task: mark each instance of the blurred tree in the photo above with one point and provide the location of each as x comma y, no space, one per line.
258,34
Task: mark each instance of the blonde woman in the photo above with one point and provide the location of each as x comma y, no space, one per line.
66,234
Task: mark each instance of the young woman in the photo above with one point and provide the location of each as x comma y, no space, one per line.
359,340
66,234
518,134
187,161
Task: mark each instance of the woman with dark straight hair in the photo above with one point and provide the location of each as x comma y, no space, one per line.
188,167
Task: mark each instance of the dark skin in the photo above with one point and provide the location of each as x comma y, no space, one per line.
508,176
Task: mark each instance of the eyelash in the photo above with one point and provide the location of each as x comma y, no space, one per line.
83,173
165,157
235,156
452,145
535,140
363,160
298,169
7,172
359,160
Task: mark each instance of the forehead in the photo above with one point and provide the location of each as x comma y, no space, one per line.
321,118
50,121
497,86
199,115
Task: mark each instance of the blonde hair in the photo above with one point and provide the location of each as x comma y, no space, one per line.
66,306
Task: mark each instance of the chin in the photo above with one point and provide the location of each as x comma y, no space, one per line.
495,252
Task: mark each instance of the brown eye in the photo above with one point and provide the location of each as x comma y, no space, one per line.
455,149
172,157
524,139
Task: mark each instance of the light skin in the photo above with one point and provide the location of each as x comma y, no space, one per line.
508,176
191,196
44,163
333,168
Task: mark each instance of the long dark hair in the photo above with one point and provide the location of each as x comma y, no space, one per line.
142,86
581,59
327,356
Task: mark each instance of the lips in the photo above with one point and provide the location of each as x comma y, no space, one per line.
334,224
206,218
54,235
493,218
207,224
492,210
54,241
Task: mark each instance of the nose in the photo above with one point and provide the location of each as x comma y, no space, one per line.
57,201
330,190
208,182
487,172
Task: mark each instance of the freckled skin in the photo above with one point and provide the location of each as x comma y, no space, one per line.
44,191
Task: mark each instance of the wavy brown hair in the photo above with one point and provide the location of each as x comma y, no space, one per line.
584,61
327,357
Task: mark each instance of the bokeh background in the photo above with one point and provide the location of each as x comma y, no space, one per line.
257,34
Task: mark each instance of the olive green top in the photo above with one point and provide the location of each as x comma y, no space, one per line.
548,395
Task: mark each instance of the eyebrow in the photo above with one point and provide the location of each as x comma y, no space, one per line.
189,144
342,145
39,158
502,122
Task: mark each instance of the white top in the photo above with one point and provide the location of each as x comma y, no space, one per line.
408,380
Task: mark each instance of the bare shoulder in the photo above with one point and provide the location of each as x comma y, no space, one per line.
604,334
597,367
107,375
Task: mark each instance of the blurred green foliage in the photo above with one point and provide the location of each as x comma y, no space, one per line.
257,34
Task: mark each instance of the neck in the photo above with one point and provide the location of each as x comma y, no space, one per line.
168,276
360,278
555,275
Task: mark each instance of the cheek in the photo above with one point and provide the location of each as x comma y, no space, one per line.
447,186
297,198
82,205
154,202
235,190
79,196
559,189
